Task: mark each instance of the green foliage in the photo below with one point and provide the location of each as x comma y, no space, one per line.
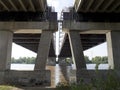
68,60
100,60
97,60
62,86
24,60
110,82
4,87
97,66
87,59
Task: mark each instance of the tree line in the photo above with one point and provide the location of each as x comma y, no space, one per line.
23,60
31,60
97,60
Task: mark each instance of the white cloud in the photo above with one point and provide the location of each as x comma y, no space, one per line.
54,3
60,4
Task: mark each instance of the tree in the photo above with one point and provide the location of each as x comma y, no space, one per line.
105,59
87,59
99,60
24,60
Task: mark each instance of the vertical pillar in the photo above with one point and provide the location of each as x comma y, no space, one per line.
77,52
43,50
5,49
113,43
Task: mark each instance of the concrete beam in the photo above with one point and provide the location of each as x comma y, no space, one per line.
113,42
89,5
78,4
5,49
13,5
43,4
98,4
105,6
43,50
4,5
116,5
22,5
15,26
83,26
32,5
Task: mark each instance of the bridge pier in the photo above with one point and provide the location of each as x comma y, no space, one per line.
43,50
113,42
5,49
77,52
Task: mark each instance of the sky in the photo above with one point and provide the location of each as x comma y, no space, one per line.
60,4
18,51
100,50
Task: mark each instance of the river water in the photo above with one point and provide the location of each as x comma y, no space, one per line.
31,66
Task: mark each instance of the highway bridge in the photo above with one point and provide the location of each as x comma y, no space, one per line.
31,24
90,11
90,23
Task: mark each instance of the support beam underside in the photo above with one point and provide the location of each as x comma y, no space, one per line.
88,41
31,42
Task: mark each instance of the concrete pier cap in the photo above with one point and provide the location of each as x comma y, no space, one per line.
17,26
90,27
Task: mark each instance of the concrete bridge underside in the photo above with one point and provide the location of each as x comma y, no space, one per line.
99,18
23,5
31,42
88,41
31,24
102,6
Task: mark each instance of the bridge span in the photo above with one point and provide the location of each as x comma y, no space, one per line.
31,24
97,21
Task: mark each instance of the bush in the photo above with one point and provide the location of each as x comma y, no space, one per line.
111,82
5,87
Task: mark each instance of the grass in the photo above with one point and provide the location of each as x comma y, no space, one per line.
111,82
5,87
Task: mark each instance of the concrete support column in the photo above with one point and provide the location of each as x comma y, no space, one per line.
5,49
77,52
43,50
113,43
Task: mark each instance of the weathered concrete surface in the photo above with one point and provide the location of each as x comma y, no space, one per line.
15,26
113,43
88,75
43,50
5,49
28,78
2,73
77,52
22,6
82,26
